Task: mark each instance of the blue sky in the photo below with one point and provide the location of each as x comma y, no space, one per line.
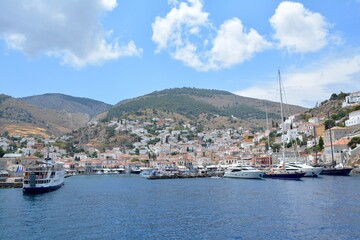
112,50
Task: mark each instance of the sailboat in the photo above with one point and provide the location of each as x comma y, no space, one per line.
281,173
338,170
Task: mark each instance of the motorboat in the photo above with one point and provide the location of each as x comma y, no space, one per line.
241,171
309,171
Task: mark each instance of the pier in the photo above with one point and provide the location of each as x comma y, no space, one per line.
12,183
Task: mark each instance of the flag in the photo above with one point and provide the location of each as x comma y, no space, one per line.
19,169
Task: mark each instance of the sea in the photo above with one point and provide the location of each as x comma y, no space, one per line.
130,207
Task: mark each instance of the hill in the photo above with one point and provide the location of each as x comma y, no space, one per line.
68,104
55,114
192,103
48,114
332,110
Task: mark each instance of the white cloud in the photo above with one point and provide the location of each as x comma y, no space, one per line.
298,29
70,30
310,85
108,5
189,36
233,45
182,20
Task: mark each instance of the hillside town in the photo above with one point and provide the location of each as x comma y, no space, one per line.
183,146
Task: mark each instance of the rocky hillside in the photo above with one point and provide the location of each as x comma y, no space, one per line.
332,110
68,104
54,114
192,103
48,114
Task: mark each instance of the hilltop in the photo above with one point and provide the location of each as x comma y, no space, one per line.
48,114
193,103
56,114
68,104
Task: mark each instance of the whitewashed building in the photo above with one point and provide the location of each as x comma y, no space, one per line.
352,99
354,119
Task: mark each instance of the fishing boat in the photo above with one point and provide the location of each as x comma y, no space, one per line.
45,176
280,172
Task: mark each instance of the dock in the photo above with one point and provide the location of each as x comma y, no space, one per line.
12,183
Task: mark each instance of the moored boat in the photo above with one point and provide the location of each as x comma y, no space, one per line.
45,176
335,170
309,171
338,170
246,172
281,172
284,175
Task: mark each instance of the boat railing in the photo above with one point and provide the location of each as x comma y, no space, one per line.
36,169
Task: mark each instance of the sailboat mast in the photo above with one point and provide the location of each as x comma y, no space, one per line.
267,128
268,132
282,121
331,145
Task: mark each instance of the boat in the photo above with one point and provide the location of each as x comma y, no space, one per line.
45,176
335,170
280,172
160,174
309,171
338,170
247,172
135,170
284,175
70,173
146,173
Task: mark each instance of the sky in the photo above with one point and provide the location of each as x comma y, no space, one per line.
112,50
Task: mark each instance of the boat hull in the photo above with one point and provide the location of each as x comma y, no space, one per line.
308,172
244,175
36,190
284,176
336,171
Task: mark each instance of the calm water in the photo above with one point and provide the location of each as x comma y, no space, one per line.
125,207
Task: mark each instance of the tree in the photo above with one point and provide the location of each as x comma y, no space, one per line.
94,154
39,155
329,124
276,147
333,96
110,131
321,143
5,134
2,152
353,142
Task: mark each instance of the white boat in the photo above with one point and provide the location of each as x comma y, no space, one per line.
45,176
309,171
146,172
240,171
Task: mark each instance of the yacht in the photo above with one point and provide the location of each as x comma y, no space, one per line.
338,170
45,176
303,168
282,172
240,171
